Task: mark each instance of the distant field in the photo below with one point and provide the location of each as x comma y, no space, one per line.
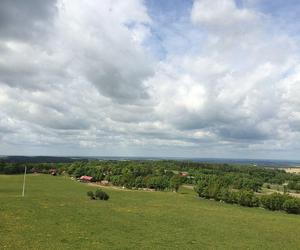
295,170
56,214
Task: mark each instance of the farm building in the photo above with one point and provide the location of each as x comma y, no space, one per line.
86,178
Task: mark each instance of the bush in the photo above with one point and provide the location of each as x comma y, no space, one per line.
233,197
91,195
101,195
209,187
292,206
255,201
273,201
247,198
105,196
224,195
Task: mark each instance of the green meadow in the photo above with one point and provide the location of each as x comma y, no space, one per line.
57,214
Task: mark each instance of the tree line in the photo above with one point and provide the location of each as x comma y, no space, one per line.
219,189
229,183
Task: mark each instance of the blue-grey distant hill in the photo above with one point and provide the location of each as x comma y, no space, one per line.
68,159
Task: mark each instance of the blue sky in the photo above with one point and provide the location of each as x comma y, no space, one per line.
168,18
150,78
169,15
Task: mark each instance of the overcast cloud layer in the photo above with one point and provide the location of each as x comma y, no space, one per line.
150,78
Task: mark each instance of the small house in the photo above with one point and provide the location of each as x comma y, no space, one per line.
86,178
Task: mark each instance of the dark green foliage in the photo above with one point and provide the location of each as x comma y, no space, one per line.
125,173
9,168
211,187
208,186
139,182
157,182
248,183
247,198
273,201
292,206
294,185
101,195
175,182
224,195
233,198
80,171
91,195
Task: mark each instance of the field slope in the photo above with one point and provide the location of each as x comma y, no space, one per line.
56,214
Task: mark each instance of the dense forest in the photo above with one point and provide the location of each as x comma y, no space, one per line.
138,173
240,184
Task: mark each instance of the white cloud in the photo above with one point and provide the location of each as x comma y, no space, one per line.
224,16
92,85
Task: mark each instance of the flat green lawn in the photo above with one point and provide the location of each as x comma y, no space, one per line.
56,214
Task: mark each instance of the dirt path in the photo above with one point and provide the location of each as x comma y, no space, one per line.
188,186
120,188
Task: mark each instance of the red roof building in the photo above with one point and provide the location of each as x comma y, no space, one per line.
86,178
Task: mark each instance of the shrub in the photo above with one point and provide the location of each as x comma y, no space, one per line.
233,197
292,206
273,201
223,195
255,201
247,198
101,195
200,188
91,195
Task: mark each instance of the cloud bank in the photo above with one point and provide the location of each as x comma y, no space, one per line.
117,78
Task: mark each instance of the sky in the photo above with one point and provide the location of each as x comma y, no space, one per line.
172,78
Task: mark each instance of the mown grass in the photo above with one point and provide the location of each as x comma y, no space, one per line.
57,214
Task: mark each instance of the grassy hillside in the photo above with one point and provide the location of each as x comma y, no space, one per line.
56,214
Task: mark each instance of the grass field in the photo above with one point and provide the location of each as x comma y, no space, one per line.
56,214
